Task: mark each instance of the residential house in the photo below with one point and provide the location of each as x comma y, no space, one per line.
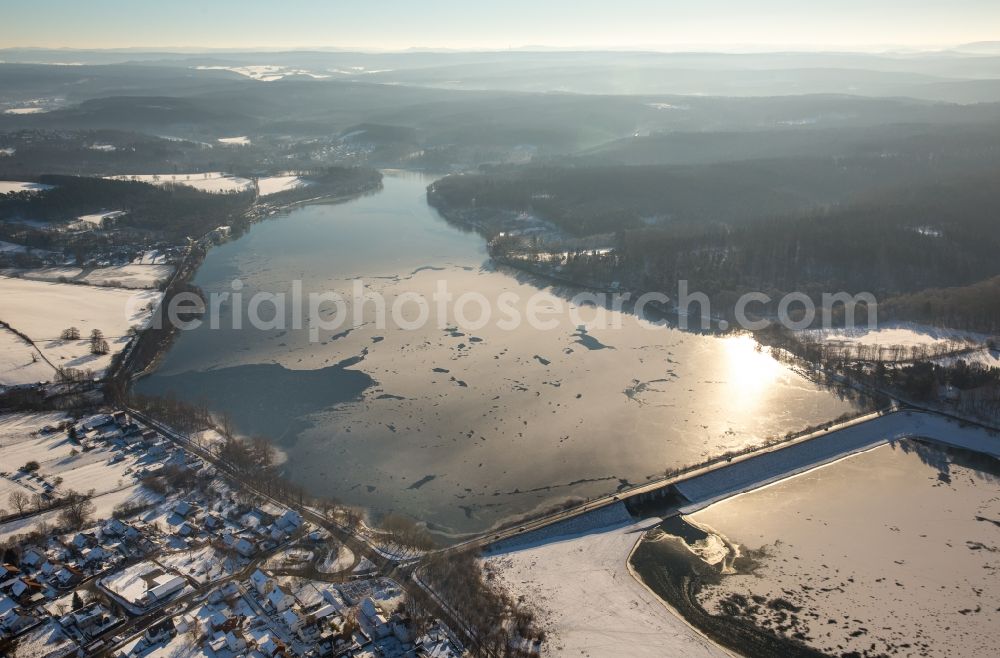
279,600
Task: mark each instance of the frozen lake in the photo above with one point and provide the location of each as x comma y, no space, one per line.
465,428
891,551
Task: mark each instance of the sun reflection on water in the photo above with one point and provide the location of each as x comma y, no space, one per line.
749,370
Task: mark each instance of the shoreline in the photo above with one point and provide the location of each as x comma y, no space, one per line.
190,270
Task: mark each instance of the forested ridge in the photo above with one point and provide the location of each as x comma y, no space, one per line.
727,233
176,210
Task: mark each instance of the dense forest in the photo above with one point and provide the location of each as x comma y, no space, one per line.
738,227
176,211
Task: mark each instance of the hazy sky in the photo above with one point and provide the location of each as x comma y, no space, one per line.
479,24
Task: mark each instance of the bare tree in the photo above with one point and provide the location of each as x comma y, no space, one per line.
77,512
19,500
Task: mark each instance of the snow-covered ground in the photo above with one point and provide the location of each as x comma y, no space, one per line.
42,310
203,565
25,110
215,182
21,363
19,442
130,276
337,559
44,273
309,592
290,558
264,72
129,583
275,184
8,186
242,140
97,219
151,257
22,441
587,599
908,334
104,506
133,275
888,552
766,468
46,640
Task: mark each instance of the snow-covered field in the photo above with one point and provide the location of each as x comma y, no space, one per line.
908,334
8,186
44,273
215,182
588,601
242,140
104,506
20,363
130,276
263,72
275,184
97,219
42,310
25,110
22,441
888,552
769,467
133,275
44,641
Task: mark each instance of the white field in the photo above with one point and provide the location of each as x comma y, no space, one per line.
21,442
263,73
7,151
97,218
44,273
215,182
17,366
8,186
589,603
104,506
895,546
25,110
908,334
7,487
275,184
42,310
131,276
43,641
242,140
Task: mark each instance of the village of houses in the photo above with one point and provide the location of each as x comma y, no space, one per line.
199,567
